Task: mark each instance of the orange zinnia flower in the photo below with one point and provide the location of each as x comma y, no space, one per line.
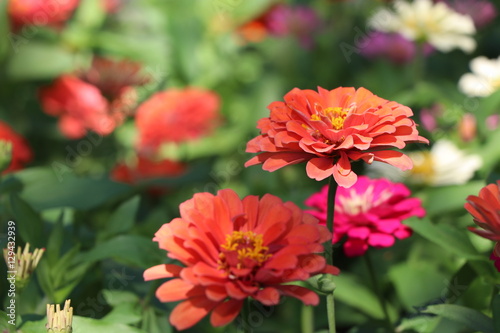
176,115
485,210
328,129
233,249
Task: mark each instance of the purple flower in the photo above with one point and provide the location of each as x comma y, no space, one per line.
392,46
299,21
482,12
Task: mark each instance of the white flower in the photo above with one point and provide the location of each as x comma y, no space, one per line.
425,21
444,164
484,79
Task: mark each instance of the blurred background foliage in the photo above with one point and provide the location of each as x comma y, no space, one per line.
98,232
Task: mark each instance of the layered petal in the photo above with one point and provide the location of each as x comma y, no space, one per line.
329,129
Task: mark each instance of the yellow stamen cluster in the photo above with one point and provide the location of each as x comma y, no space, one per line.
336,116
248,245
58,320
423,167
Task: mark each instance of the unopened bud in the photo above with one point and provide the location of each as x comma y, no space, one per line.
59,321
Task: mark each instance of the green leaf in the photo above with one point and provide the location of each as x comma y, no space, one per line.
55,241
83,325
4,323
418,324
155,323
46,188
455,195
116,297
4,30
89,14
134,250
86,325
473,319
355,294
125,313
495,305
407,279
448,237
123,218
34,61
28,222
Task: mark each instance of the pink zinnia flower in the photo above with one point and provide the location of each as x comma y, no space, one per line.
368,214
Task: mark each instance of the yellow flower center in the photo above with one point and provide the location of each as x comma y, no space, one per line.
423,167
243,249
336,116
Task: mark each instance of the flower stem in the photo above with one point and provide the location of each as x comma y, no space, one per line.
330,301
307,319
376,287
419,62
243,326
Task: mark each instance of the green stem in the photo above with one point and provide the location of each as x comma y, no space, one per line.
376,287
244,327
307,319
419,63
330,299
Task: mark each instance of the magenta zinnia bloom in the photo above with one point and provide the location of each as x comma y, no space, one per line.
368,213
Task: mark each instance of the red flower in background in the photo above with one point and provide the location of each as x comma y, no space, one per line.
98,99
176,115
232,249
328,129
283,20
146,168
21,152
40,12
485,211
368,214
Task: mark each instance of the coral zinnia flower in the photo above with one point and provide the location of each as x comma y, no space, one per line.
146,168
176,115
98,99
495,256
329,128
485,211
21,152
369,213
40,12
233,249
